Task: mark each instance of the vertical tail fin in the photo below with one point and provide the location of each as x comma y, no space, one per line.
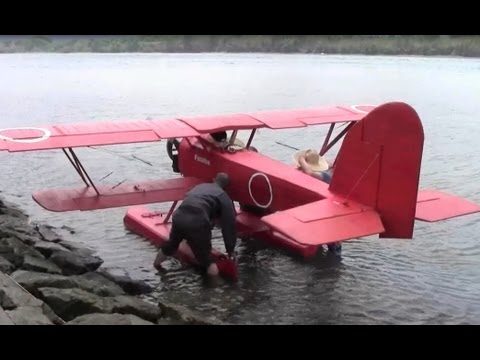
378,165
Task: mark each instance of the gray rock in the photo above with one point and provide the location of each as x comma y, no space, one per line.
97,284
130,286
70,303
108,319
36,264
15,250
178,312
91,282
13,296
75,248
5,265
75,264
47,233
47,248
26,238
28,315
4,318
132,305
8,209
32,281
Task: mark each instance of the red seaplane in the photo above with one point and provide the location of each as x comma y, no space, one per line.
374,187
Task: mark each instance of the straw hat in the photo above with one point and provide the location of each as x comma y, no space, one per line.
314,161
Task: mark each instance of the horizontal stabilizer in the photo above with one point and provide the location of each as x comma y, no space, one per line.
325,221
433,205
85,198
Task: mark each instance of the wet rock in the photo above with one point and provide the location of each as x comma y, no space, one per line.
132,305
47,248
5,265
178,312
40,265
14,297
91,282
129,285
15,250
108,319
70,303
97,284
75,263
75,248
47,234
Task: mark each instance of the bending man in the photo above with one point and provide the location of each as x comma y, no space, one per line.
193,221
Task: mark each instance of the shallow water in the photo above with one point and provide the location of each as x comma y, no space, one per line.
432,279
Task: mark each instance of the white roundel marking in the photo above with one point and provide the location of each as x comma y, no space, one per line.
269,189
355,107
45,136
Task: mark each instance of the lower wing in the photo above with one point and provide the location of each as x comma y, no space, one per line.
86,198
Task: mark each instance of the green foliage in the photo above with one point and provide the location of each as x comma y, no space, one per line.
458,45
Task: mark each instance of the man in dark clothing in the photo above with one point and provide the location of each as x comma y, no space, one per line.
193,221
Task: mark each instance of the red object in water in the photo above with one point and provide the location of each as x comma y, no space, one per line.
374,188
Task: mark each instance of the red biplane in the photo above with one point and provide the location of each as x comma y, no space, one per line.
374,188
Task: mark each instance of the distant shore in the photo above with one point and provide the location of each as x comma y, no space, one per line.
424,45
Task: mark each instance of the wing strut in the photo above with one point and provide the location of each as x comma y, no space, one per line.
75,161
327,146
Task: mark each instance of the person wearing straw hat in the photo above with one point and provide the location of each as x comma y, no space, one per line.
310,162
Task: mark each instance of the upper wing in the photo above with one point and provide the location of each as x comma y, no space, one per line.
122,132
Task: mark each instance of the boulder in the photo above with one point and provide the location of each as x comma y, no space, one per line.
91,282
28,315
13,297
129,285
47,248
5,265
15,250
4,318
40,265
75,263
108,319
133,305
47,234
75,248
70,303
26,238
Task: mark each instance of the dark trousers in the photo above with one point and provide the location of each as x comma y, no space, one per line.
196,231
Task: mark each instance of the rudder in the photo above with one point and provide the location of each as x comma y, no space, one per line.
379,163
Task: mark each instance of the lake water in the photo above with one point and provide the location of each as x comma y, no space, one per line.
432,279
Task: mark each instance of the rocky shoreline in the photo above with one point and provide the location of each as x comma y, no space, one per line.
47,280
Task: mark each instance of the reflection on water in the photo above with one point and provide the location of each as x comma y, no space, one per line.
433,279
